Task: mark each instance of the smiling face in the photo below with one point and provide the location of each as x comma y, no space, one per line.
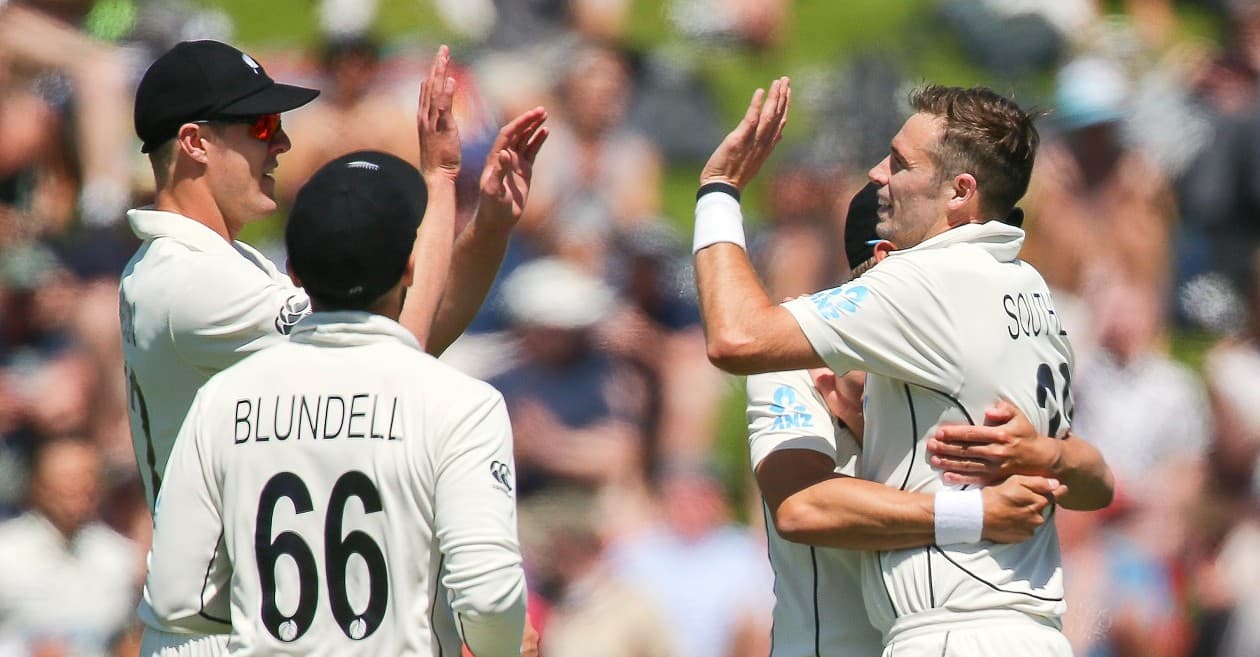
912,197
239,172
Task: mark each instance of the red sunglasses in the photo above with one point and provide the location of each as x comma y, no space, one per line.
263,127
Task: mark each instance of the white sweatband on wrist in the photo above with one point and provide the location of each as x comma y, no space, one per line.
718,219
959,516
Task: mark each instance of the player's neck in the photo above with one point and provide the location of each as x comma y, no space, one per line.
195,202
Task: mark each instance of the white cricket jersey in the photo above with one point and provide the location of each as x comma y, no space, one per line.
190,305
944,329
342,494
818,609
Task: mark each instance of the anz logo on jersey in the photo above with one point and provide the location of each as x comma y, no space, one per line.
789,413
833,303
502,475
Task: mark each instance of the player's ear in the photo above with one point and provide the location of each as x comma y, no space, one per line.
882,249
288,266
191,141
963,192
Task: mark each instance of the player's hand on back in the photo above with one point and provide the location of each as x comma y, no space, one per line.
1013,510
739,156
1006,445
509,169
435,121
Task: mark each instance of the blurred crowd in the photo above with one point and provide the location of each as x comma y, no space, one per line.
1144,215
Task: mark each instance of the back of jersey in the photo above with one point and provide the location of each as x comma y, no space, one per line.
348,479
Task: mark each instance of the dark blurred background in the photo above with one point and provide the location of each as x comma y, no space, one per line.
1143,214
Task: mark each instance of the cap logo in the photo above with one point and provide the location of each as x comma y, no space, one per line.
362,164
252,64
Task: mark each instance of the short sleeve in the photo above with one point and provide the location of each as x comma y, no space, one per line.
786,412
226,310
892,322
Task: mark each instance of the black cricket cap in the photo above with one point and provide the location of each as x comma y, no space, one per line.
859,225
207,80
352,227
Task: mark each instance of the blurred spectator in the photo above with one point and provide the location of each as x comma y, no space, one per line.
1034,32
535,26
578,413
687,563
1100,212
658,328
34,35
1232,369
68,585
595,612
1157,454
755,23
794,252
595,175
1123,602
351,113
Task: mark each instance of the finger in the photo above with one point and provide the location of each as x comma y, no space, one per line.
422,111
438,80
954,479
748,126
766,119
962,466
999,413
521,138
787,105
519,126
971,434
531,149
1039,485
446,97
961,451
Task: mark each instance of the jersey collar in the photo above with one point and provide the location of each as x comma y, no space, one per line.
1002,241
149,224
350,328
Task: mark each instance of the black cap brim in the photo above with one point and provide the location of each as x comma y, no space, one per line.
273,100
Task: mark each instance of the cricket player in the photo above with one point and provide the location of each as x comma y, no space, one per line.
943,326
333,495
805,433
194,300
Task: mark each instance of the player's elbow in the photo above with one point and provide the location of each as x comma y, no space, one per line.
1096,496
500,592
732,351
798,521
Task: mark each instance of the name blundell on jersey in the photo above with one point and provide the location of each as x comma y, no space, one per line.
323,417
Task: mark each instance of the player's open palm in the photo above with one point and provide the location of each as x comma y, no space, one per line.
509,168
739,156
1014,509
435,121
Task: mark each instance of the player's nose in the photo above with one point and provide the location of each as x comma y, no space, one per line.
879,173
280,143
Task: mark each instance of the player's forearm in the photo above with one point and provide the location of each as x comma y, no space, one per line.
432,254
475,262
846,512
1083,470
734,307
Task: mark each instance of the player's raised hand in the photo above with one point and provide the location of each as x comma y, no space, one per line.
1007,444
739,156
1013,509
435,121
509,169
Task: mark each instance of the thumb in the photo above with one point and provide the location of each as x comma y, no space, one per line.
1039,485
999,413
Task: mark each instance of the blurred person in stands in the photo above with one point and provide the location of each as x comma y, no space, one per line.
709,576
578,413
41,35
353,112
595,611
598,175
68,584
658,330
1099,212
791,252
1147,414
1124,592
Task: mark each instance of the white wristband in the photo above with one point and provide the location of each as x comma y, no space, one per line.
718,219
959,516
